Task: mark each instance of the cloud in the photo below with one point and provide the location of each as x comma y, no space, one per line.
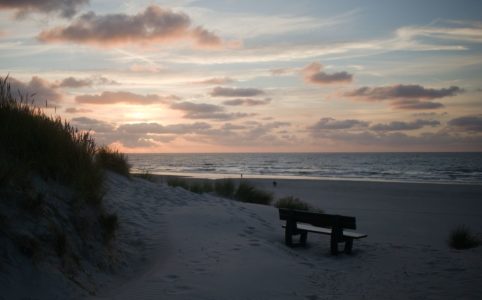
247,102
333,124
313,74
124,97
207,111
413,96
235,92
72,82
65,8
153,25
88,124
206,39
216,80
196,107
400,91
281,71
73,110
399,126
156,128
429,114
472,123
415,104
470,32
38,91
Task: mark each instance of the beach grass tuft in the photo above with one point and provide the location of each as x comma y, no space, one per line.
246,192
146,175
225,188
113,160
462,238
291,202
177,182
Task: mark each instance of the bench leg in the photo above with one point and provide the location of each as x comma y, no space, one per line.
334,246
303,237
348,246
288,237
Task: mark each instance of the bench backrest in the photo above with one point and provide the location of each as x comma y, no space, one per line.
317,219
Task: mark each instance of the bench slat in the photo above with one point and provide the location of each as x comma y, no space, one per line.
327,231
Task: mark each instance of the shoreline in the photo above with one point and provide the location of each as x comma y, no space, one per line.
217,176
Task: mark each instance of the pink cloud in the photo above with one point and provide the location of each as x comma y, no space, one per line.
154,25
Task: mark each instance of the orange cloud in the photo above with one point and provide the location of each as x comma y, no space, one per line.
152,26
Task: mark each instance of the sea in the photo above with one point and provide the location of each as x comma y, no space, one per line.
464,168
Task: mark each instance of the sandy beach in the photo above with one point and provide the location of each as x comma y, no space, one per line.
180,245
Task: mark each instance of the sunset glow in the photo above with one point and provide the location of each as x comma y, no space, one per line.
253,76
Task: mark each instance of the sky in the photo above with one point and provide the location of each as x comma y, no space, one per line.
252,76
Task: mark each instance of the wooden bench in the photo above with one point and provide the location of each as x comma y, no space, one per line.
302,222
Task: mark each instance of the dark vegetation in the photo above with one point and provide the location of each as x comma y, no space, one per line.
291,202
146,175
227,188
244,192
112,160
462,238
249,193
51,185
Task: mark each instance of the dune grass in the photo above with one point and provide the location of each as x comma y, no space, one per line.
112,160
33,143
247,192
462,238
146,175
225,188
35,147
291,202
177,182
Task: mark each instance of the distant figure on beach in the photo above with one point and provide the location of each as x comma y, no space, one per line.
241,175
275,183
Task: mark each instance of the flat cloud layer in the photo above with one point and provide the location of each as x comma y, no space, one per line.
123,97
400,91
235,92
331,123
247,102
410,97
399,126
66,8
153,25
468,123
207,111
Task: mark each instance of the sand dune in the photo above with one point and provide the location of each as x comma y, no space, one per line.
180,245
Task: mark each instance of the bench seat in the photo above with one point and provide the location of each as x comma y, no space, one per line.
327,231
